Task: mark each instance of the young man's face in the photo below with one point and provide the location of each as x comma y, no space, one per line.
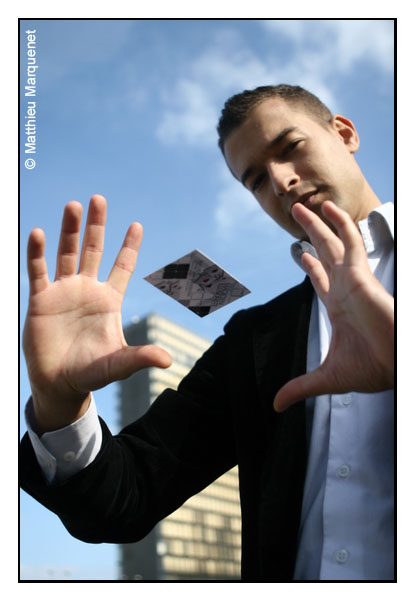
283,156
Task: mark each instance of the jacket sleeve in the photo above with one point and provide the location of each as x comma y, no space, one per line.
182,444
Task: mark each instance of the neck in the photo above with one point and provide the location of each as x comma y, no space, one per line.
369,202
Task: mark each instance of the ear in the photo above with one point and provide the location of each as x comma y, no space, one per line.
347,132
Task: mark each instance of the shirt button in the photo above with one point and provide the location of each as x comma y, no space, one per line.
343,471
69,456
342,555
346,399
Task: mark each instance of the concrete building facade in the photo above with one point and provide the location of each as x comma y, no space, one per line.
201,540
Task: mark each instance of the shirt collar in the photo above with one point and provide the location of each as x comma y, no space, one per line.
377,229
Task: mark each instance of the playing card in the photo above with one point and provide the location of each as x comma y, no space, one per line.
198,283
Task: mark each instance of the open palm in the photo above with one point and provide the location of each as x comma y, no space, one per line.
73,338
361,312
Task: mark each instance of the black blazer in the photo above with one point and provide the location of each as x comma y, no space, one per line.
221,415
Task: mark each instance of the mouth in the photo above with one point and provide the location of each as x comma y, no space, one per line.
308,200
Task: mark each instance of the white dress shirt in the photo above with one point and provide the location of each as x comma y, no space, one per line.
348,504
65,452
347,522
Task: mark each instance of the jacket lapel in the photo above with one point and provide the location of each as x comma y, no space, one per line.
280,340
280,349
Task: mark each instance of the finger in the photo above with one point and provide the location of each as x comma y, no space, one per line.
317,274
329,248
36,262
125,362
301,388
93,243
126,259
67,259
346,230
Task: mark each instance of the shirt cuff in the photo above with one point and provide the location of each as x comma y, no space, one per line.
65,452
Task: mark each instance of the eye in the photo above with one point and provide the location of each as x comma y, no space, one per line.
290,147
256,184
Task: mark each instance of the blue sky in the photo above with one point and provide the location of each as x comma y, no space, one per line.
128,109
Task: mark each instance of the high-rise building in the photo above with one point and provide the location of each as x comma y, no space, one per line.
202,539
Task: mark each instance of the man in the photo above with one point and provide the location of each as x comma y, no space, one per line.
316,475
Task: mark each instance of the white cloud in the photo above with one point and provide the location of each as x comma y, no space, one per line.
192,119
323,51
237,209
194,101
337,44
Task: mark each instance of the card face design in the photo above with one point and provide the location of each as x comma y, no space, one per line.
198,283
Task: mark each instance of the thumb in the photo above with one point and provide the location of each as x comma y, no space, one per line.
300,388
128,360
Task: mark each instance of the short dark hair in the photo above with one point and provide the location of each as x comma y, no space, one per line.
238,107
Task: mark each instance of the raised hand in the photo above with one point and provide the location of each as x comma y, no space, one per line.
73,338
361,312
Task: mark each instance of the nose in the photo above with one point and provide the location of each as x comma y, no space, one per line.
282,177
